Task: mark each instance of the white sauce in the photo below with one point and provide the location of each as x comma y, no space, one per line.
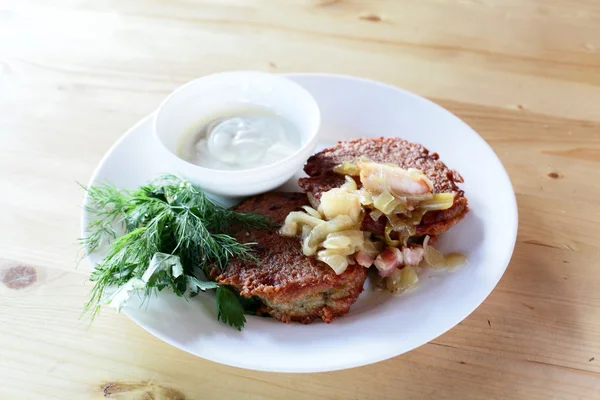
240,139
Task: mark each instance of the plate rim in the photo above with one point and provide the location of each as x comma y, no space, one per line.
365,359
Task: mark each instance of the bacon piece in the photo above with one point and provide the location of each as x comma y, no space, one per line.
388,261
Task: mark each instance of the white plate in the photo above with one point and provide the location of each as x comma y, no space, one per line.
378,326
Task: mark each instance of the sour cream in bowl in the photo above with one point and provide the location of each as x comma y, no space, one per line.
238,133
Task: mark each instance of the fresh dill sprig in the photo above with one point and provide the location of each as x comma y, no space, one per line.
171,228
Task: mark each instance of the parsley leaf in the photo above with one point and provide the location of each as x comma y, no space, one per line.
197,285
230,310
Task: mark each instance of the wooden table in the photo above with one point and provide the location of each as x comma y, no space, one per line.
524,73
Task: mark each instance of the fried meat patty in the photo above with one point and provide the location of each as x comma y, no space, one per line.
321,177
292,286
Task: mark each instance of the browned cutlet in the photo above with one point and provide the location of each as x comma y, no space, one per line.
321,177
292,286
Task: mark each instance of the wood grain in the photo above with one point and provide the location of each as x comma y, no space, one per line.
74,75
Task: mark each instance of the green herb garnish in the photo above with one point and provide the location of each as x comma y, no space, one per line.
171,229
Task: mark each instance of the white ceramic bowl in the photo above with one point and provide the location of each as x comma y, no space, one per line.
213,93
